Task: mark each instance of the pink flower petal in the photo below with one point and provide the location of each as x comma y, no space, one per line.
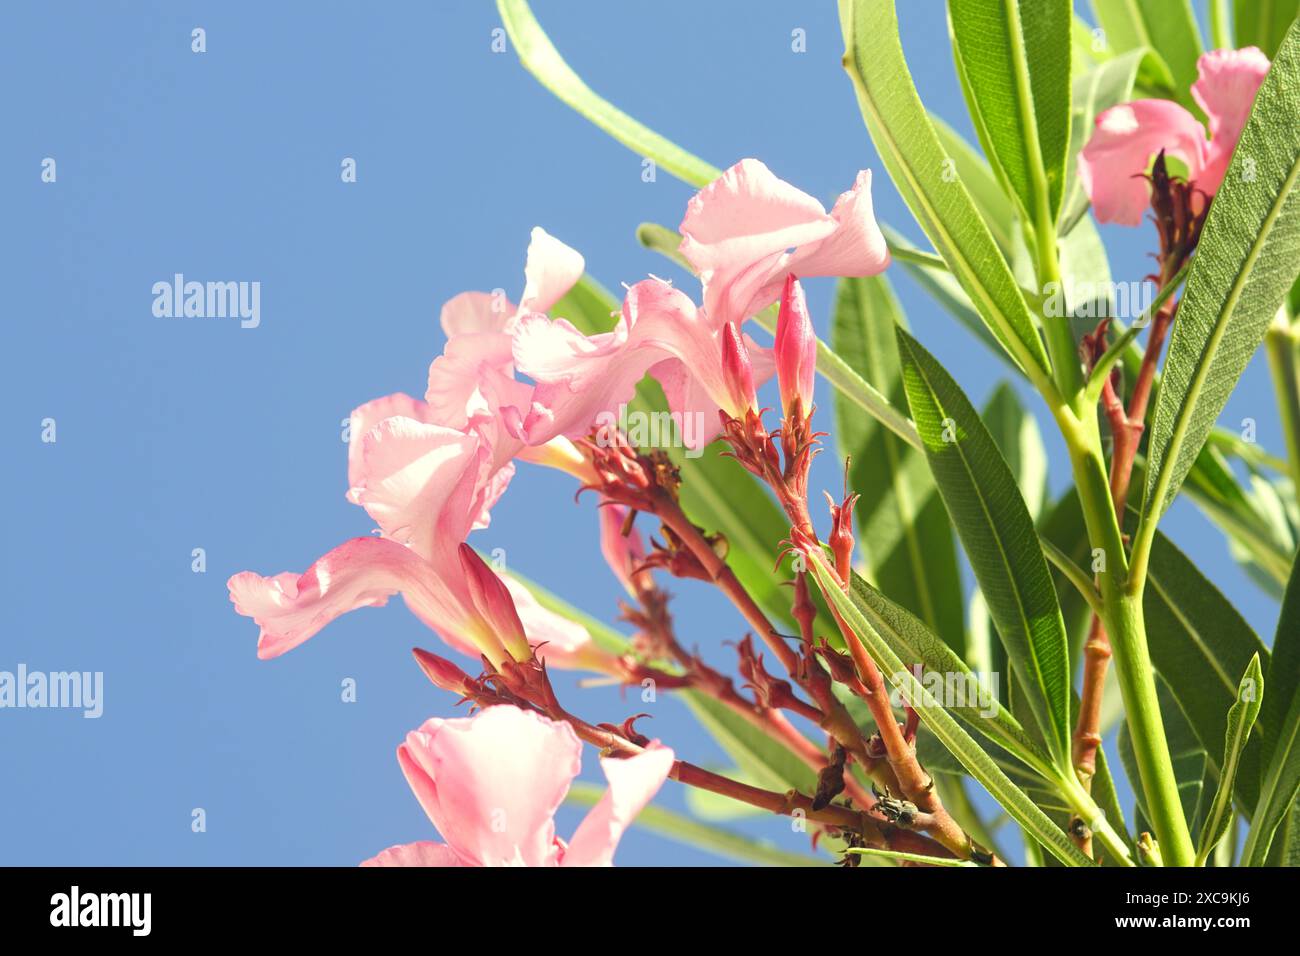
584,378
476,312
423,853
1112,164
632,783
363,572
739,229
421,484
1226,87
551,270
474,375
371,414
491,783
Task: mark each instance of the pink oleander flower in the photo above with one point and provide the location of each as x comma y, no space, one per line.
1112,166
747,230
738,233
796,349
428,473
581,378
491,785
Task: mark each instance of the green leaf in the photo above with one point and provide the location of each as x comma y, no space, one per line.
1105,85
905,539
1281,778
998,535
1016,434
1263,23
944,727
975,704
1247,258
917,162
986,192
1241,718
1199,644
767,762
1014,57
540,58
1166,26
675,826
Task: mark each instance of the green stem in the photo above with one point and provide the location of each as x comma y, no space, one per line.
1284,361
1126,627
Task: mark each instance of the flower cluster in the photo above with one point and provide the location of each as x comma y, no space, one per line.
515,383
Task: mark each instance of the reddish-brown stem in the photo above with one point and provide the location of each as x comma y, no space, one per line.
916,785
671,514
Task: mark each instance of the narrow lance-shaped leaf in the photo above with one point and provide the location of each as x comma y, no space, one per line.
998,535
986,192
906,541
1246,261
539,57
945,727
976,704
1014,56
1280,784
1263,23
1016,434
916,162
1166,26
1241,718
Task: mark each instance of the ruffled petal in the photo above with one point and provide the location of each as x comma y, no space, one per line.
371,414
491,783
476,312
364,572
423,853
1226,87
739,230
551,270
422,484
632,783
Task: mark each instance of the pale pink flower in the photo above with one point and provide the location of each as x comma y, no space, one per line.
743,233
581,378
491,785
428,473
1113,163
747,230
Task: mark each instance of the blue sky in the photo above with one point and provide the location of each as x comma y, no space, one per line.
176,434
